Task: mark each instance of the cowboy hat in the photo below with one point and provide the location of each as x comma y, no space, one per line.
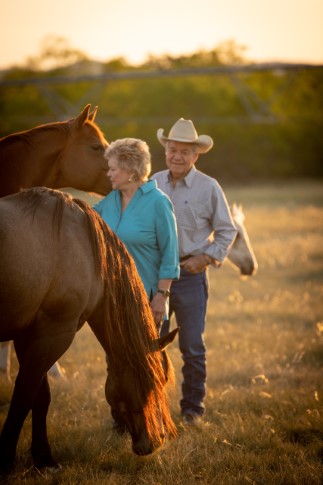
184,131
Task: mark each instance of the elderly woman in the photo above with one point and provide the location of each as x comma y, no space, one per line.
143,218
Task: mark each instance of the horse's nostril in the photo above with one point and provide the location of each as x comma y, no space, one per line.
248,269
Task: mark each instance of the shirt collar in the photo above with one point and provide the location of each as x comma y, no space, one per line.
188,180
148,186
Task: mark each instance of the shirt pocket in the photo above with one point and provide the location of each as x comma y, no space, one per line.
193,216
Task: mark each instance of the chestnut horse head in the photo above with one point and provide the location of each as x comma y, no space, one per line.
56,155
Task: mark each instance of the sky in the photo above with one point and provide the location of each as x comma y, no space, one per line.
271,30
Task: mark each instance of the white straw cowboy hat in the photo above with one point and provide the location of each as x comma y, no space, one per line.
184,131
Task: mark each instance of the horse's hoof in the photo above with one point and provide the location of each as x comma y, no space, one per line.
46,462
49,469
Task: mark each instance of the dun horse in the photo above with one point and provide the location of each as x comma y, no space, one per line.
60,267
55,155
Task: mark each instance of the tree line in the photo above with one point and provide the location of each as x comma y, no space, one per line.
266,124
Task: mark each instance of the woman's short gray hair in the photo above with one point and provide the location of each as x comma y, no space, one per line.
132,155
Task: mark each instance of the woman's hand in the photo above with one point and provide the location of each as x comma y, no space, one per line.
158,307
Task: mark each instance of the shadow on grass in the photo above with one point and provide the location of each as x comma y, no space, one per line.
305,436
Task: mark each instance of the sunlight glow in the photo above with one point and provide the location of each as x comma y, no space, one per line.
286,30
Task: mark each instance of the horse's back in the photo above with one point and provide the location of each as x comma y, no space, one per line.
42,270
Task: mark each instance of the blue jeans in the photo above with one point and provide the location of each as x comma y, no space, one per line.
188,301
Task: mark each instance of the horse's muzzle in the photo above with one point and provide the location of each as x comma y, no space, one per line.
144,446
249,269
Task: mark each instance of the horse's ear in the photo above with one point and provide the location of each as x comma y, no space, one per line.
163,342
93,114
83,117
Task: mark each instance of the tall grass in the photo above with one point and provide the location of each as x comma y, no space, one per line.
264,412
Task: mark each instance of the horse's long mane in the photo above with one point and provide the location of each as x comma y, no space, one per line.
129,325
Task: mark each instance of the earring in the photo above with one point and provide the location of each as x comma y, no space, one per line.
129,179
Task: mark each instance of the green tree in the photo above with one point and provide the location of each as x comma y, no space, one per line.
55,52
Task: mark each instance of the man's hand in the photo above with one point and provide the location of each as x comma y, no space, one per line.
197,263
158,307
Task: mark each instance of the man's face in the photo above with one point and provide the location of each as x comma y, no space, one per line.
180,158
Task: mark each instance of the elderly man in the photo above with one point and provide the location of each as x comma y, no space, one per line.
205,234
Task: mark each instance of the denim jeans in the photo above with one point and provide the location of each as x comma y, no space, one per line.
188,301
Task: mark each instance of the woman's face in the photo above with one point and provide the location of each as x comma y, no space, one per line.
118,176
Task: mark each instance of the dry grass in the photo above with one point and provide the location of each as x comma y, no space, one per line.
264,419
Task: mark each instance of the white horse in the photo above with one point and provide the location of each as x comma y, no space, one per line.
241,256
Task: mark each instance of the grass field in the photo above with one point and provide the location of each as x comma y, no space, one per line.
264,418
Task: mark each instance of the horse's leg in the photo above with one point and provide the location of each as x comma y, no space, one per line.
27,383
32,392
5,359
20,406
11,429
40,449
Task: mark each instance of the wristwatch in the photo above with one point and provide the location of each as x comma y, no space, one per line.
165,293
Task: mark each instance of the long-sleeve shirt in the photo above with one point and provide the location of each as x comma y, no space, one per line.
147,227
204,221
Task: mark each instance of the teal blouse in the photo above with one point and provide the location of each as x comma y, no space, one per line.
148,229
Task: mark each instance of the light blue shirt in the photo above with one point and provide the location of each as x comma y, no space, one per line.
147,227
204,221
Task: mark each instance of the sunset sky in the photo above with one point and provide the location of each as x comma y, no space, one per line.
271,30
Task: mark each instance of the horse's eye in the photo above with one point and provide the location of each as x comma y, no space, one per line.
98,148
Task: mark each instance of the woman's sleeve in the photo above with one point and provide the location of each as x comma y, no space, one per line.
166,233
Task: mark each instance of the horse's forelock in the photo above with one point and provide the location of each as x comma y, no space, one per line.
237,214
